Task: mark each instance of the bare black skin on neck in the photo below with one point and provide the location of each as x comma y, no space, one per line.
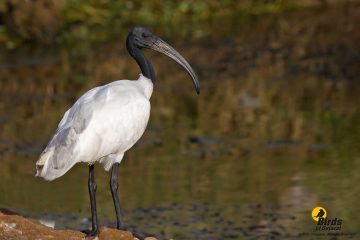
135,51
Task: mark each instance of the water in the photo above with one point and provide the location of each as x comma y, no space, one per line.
273,134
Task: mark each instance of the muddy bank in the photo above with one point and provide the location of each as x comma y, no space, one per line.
15,227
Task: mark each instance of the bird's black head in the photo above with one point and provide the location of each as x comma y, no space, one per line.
140,37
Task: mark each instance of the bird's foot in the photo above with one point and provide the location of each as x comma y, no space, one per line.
137,234
91,233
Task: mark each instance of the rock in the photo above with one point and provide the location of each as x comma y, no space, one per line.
114,234
15,227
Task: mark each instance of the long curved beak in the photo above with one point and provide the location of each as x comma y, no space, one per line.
162,47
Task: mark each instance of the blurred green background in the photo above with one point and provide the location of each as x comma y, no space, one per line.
273,134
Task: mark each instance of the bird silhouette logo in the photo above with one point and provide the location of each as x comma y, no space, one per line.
318,212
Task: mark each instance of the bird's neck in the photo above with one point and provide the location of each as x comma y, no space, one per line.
144,64
146,85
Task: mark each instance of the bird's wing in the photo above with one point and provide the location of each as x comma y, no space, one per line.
77,118
59,155
79,114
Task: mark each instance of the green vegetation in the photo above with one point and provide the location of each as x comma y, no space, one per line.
71,21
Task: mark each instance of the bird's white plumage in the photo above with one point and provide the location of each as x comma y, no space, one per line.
103,124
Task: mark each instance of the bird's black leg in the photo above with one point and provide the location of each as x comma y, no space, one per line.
114,187
92,191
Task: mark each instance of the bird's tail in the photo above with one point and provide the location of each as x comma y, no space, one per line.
46,168
58,157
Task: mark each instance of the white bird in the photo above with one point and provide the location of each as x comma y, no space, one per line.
107,121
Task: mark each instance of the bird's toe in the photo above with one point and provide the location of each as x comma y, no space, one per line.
136,233
91,233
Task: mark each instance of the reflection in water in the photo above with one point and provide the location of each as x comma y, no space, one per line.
269,138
